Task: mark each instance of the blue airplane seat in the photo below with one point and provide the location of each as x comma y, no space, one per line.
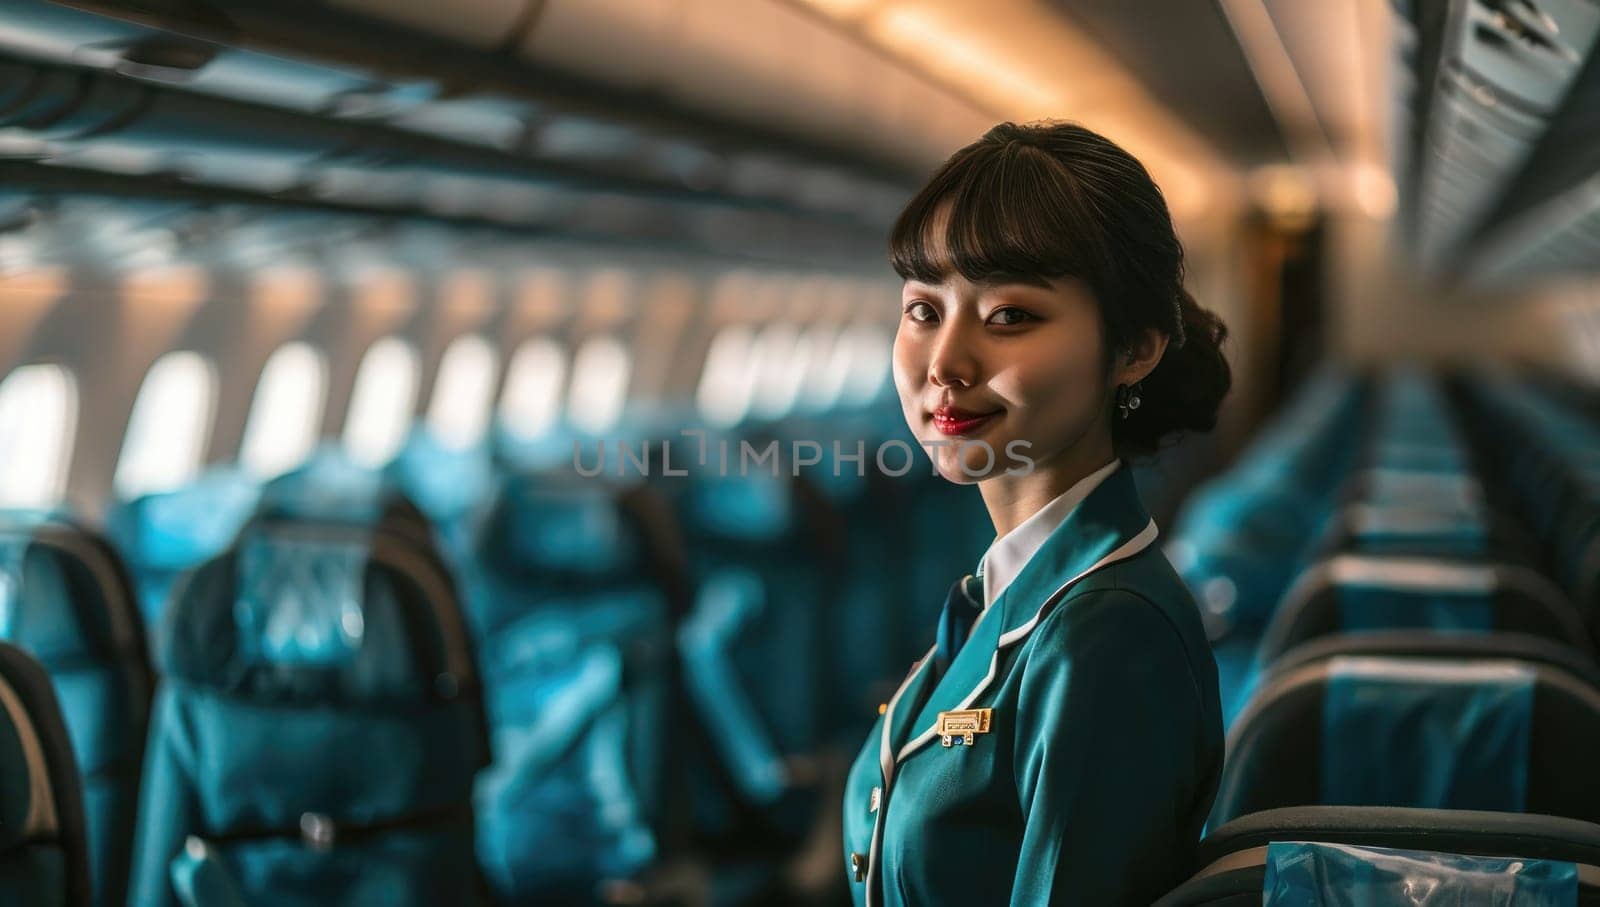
329,488
1350,592
1440,533
165,534
452,487
44,852
66,599
319,725
574,617
1492,733
751,647
1239,549
1331,856
872,618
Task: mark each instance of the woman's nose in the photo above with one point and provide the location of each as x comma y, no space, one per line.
951,362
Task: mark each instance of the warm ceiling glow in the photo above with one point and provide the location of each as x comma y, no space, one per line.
842,9
1022,60
1374,191
1288,194
958,56
1187,196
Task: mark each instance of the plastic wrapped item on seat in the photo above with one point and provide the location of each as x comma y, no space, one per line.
728,602
66,598
1319,874
1236,858
765,577
576,649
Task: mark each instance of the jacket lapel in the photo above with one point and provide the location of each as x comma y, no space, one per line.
1108,526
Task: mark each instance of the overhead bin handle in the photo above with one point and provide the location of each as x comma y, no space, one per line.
1522,21
164,58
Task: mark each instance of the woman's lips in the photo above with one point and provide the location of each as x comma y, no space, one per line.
957,422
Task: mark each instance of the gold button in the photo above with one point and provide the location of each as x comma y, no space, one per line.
883,707
858,867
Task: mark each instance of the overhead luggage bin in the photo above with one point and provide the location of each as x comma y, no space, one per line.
49,32
1393,856
1522,50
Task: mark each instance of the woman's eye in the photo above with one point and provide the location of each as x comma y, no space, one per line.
1009,316
921,311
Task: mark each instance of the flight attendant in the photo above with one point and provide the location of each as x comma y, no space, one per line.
1061,741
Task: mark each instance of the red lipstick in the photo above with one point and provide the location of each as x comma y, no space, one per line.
954,421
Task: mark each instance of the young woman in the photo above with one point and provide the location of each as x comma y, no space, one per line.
1061,742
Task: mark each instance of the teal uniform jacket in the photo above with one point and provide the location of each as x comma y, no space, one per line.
1103,746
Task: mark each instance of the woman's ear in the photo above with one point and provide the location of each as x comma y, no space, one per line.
1141,357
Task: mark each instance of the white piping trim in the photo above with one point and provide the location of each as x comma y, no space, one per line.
886,764
1128,549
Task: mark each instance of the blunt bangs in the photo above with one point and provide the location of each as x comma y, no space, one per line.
1002,212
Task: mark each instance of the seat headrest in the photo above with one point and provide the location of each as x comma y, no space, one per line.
319,613
444,482
562,530
1318,872
754,507
178,529
40,605
1414,574
331,489
1432,733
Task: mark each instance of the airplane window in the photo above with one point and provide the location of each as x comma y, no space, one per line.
381,402
171,422
463,393
38,417
723,395
832,351
286,413
777,355
600,372
869,364
534,381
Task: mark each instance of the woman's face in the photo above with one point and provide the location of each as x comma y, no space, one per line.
1017,365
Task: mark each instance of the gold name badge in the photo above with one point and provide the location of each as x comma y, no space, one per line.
961,726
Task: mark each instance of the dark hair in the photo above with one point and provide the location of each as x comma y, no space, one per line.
1050,200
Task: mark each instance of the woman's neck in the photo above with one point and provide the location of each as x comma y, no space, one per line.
1011,499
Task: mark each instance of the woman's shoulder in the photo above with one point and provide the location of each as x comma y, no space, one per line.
1137,605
